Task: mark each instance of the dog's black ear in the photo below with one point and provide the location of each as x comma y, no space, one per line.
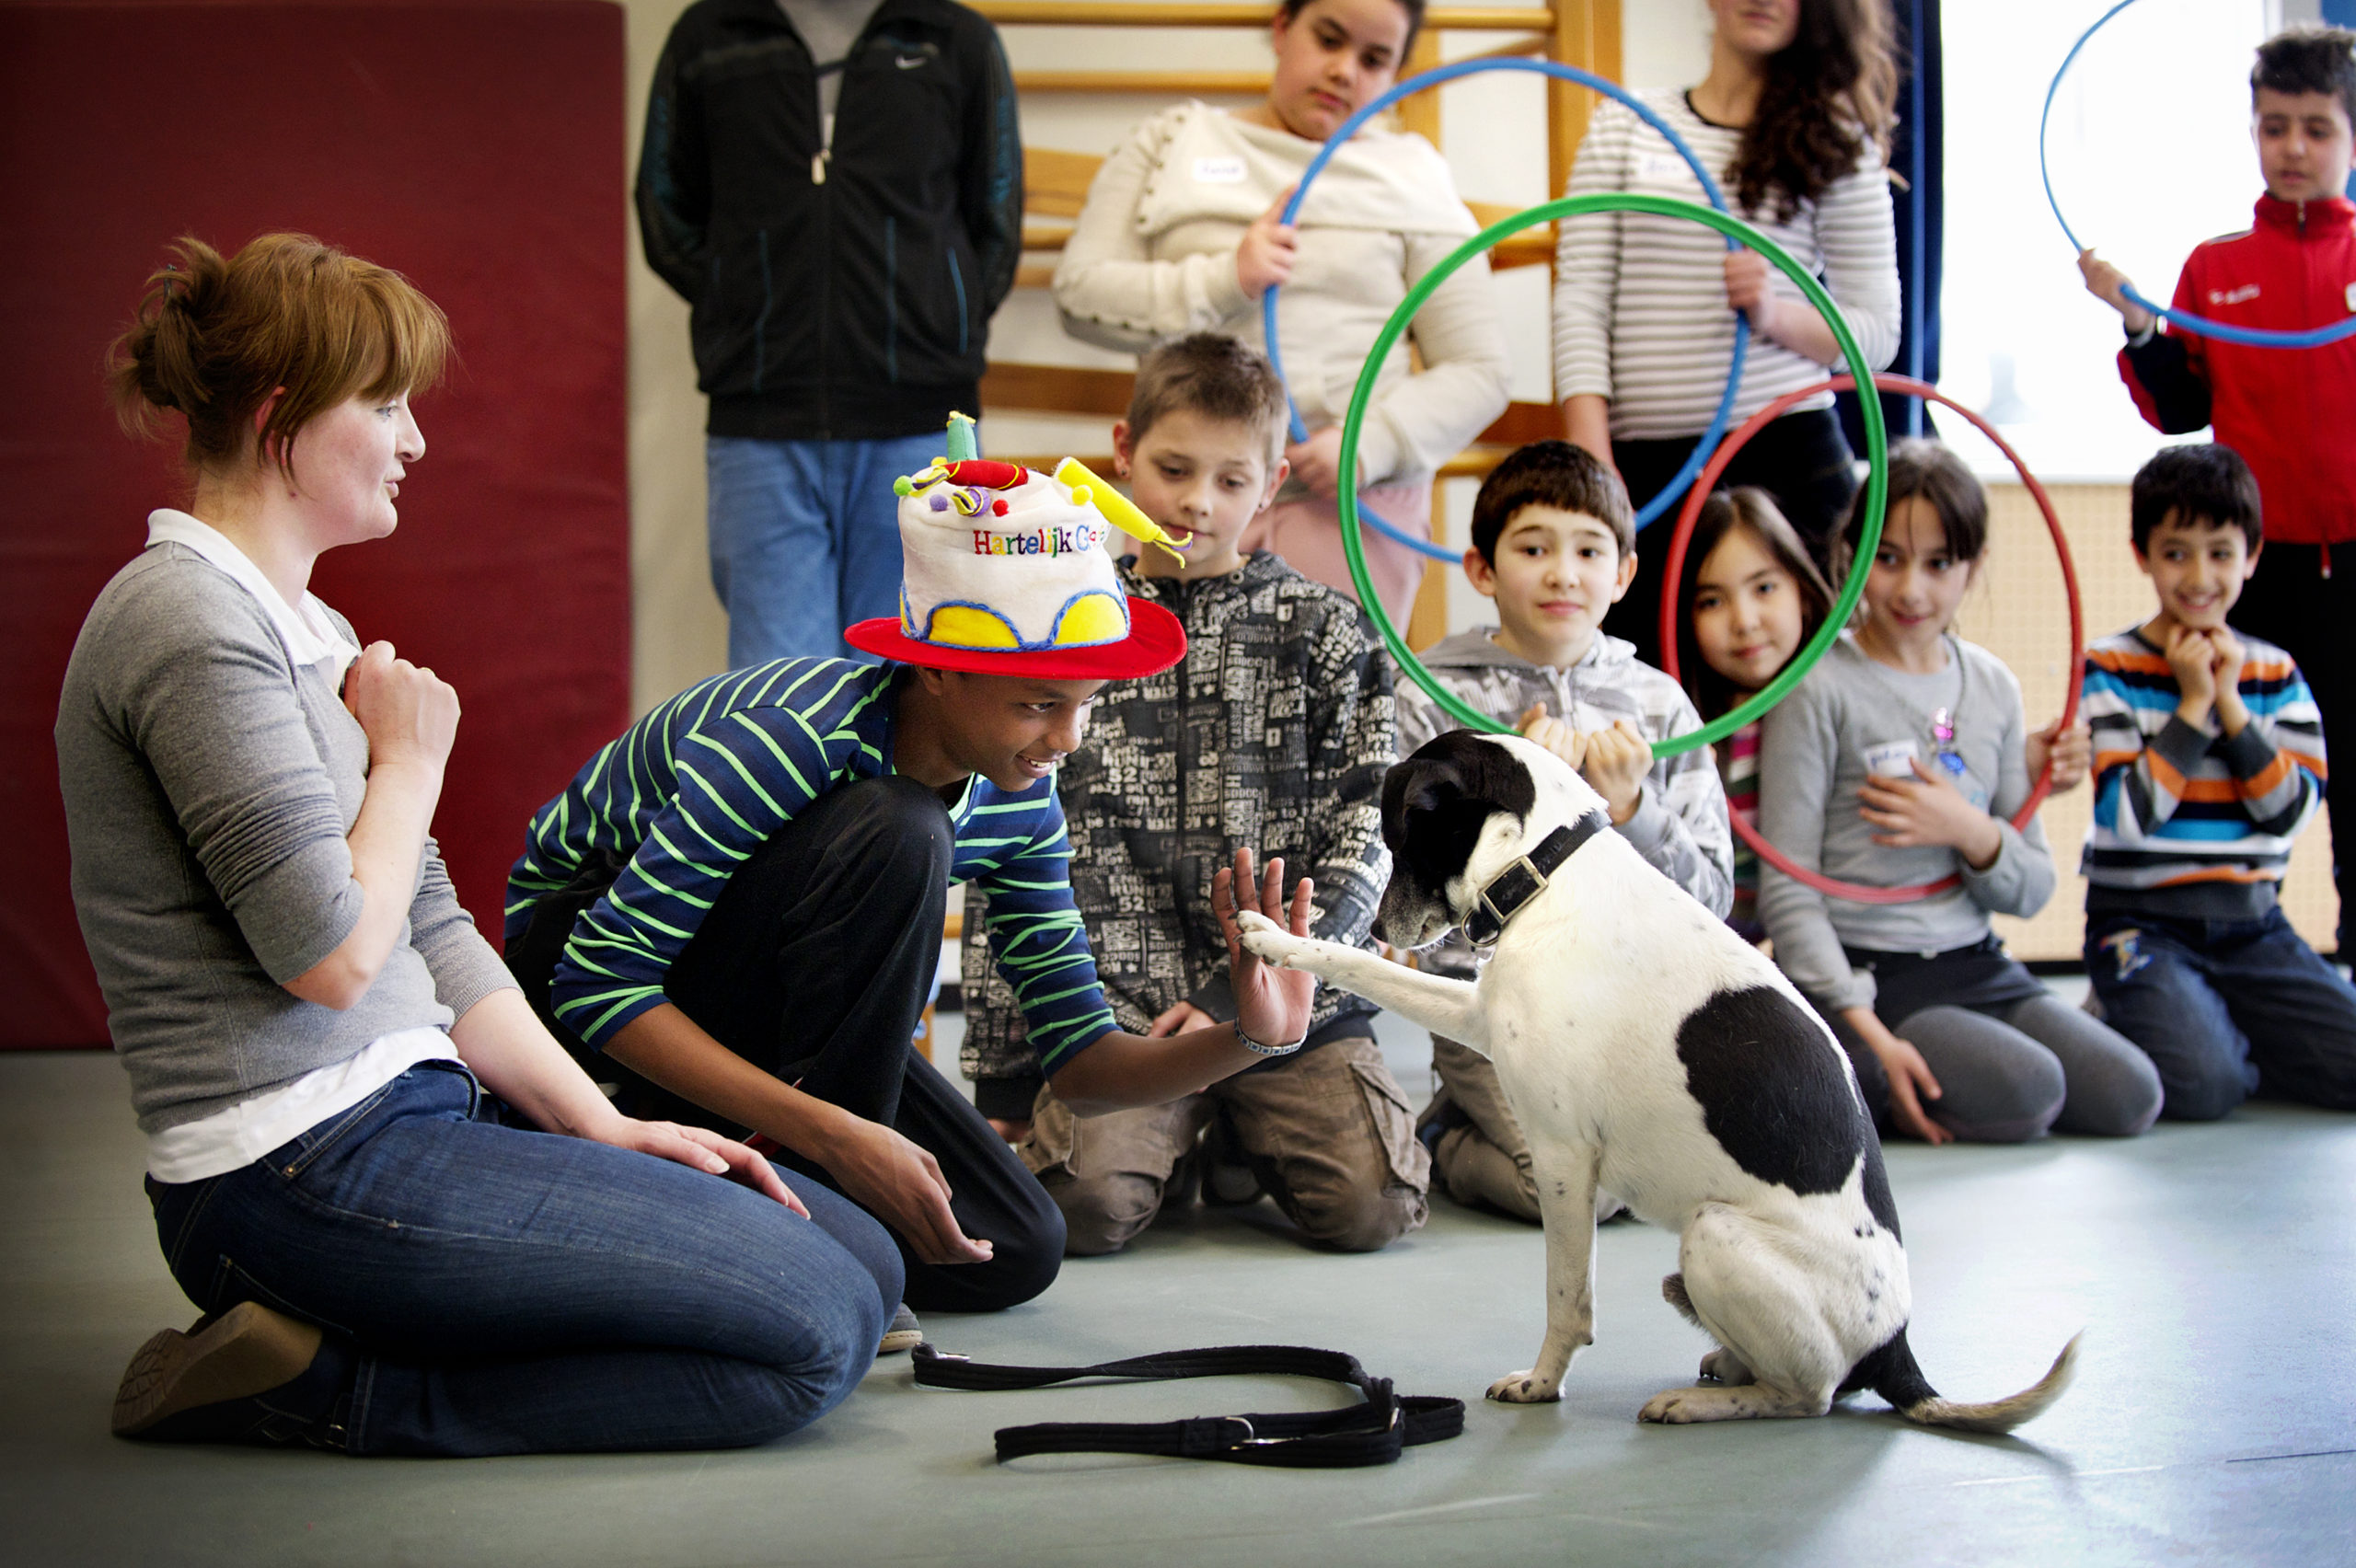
1419,785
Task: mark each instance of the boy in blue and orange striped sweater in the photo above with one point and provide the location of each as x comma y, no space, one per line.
2209,759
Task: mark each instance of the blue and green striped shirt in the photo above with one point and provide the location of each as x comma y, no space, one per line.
689,792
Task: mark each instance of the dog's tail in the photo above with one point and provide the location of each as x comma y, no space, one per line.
1900,1382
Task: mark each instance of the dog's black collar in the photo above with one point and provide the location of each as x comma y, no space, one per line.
1506,892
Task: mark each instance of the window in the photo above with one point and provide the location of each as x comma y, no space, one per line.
2150,153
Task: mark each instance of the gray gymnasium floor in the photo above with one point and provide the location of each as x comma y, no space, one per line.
2214,1269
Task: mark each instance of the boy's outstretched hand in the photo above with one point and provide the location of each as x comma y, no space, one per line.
1271,1005
2109,285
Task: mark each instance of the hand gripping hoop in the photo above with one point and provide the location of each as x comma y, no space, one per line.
1862,893
1349,128
2253,337
1869,408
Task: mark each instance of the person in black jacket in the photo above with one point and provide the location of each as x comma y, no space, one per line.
836,186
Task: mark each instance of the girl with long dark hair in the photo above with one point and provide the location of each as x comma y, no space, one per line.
1793,121
1180,234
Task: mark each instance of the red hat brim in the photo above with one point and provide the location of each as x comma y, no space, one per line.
1155,642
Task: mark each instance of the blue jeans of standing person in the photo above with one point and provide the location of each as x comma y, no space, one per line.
2226,1008
805,538
486,1290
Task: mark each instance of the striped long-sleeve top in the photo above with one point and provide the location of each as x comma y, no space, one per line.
1640,301
2187,823
689,792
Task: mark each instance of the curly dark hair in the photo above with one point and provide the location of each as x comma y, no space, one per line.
1829,94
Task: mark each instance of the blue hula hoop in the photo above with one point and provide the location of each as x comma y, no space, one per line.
1349,128
2252,337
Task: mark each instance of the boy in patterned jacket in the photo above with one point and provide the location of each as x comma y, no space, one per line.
1276,729
2209,759
1555,545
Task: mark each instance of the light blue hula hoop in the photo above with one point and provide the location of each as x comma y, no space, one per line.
1349,128
2252,337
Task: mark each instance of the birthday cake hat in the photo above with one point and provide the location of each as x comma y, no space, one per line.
1003,572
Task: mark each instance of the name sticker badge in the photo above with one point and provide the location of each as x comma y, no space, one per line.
1218,171
1664,168
1891,759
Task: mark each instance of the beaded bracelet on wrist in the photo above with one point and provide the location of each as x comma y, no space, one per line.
1259,1050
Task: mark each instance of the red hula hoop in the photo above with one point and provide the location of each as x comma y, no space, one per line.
1707,481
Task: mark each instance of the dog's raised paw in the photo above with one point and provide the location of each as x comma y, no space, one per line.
1525,1388
1269,942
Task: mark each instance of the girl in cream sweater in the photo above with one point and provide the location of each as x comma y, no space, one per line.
1179,235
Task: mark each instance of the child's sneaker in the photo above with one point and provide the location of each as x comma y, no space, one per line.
905,1333
1228,1180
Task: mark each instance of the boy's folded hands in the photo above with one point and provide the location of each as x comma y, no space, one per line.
2206,662
1613,761
1539,725
1617,761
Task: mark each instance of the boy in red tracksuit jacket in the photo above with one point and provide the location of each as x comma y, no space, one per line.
2291,413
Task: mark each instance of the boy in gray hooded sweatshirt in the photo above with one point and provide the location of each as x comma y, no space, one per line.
1554,544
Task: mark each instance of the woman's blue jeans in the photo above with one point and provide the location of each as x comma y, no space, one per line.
486,1290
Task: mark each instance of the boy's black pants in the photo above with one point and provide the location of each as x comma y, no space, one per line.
814,964
2312,616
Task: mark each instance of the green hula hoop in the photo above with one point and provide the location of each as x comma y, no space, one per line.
1877,449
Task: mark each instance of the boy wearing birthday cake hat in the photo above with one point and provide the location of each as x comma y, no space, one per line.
735,909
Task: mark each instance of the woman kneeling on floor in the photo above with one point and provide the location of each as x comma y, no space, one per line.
334,1072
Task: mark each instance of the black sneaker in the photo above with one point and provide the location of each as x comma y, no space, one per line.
1437,1118
1228,1180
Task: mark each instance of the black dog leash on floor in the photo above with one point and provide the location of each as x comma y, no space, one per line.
1368,1434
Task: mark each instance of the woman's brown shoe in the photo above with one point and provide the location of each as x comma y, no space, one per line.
234,1354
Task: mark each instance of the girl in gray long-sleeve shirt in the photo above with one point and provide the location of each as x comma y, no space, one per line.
1899,761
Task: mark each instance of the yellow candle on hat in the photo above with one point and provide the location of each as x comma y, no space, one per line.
1118,510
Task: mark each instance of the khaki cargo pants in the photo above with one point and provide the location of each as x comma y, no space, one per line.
1486,1160
1327,1133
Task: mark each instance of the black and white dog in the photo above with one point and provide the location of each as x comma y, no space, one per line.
1646,1048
